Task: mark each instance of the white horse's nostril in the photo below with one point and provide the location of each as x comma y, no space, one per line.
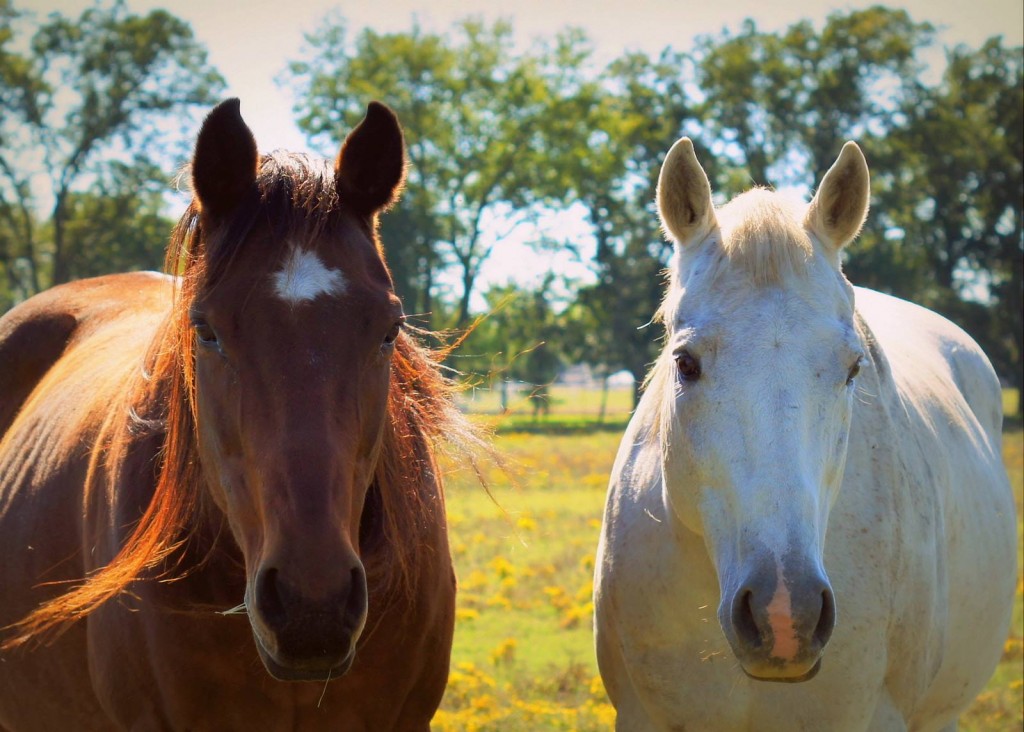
827,619
743,621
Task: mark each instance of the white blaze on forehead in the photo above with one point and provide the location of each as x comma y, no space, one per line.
305,277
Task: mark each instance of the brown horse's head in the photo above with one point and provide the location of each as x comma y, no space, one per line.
294,320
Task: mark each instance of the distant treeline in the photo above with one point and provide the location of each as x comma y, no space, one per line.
500,134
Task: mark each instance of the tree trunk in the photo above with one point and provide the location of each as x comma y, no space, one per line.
1015,301
24,228
468,278
61,272
604,399
426,305
639,374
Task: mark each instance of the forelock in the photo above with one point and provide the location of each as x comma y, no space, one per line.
762,235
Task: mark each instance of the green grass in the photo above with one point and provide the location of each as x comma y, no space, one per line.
572,410
1011,400
523,658
563,401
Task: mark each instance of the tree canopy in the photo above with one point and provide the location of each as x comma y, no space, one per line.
500,135
98,107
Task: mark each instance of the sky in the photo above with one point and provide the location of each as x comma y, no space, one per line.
251,41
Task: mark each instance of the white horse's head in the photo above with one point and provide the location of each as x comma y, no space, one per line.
757,378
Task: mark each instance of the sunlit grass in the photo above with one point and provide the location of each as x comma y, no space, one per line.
563,401
523,658
1011,399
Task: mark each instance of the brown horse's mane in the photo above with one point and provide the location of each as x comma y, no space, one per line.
292,192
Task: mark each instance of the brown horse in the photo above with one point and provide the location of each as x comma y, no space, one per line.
258,430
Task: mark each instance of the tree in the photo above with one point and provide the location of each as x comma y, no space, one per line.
20,87
118,224
469,105
783,104
522,338
950,196
638,108
108,86
493,134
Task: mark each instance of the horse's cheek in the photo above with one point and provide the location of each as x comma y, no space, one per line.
225,484
835,435
680,494
686,462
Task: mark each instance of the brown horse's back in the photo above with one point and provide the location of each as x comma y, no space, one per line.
35,334
65,356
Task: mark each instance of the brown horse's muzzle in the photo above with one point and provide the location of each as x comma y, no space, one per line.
301,637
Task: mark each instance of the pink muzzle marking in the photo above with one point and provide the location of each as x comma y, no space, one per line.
785,643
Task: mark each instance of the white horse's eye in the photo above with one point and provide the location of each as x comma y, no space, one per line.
688,366
854,370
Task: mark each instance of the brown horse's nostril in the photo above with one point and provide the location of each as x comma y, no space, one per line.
268,598
302,627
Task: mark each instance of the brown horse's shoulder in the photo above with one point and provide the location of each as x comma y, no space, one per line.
35,334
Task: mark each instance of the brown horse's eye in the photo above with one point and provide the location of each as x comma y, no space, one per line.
688,365
392,336
206,336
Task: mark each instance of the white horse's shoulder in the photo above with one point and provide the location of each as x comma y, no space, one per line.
918,342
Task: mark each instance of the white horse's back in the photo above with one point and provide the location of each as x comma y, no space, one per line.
913,336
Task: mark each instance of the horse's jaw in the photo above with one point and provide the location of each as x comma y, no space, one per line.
320,669
786,679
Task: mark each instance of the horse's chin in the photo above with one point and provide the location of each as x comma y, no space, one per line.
313,669
780,676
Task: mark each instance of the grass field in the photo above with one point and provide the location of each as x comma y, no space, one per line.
563,401
523,659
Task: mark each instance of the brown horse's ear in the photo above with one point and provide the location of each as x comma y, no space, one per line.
225,159
370,169
840,206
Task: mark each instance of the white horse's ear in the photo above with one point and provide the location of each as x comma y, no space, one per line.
684,196
840,206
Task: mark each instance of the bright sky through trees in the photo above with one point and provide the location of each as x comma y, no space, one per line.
250,42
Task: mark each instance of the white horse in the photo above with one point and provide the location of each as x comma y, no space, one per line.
825,475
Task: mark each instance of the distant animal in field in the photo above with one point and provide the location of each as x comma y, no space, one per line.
219,505
808,526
